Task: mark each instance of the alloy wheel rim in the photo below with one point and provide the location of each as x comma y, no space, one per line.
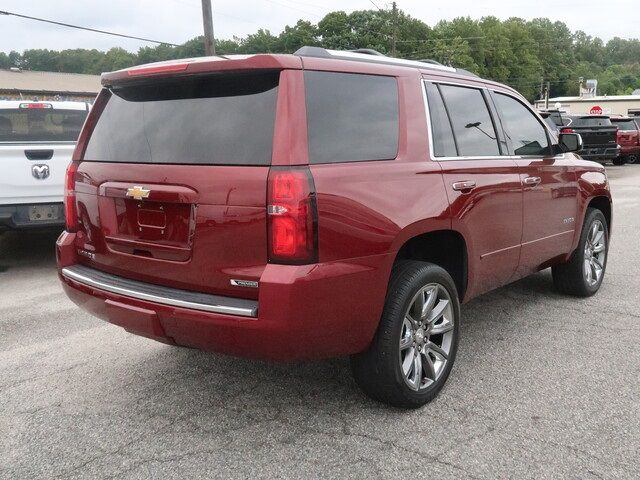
426,337
595,253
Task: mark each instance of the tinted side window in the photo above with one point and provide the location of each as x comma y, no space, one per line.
351,117
523,130
472,125
442,135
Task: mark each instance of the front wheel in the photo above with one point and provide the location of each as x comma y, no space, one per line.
415,346
582,275
619,161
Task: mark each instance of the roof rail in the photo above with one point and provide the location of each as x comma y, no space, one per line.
373,56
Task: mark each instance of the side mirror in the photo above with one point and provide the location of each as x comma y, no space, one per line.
570,142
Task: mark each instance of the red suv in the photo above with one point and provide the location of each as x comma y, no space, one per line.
320,204
628,138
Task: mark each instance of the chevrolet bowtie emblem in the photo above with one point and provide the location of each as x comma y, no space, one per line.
138,193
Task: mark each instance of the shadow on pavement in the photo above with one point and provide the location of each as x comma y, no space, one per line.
27,248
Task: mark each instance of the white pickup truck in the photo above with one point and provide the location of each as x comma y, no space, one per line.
36,143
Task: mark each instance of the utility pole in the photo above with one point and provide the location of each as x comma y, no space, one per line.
394,35
207,22
541,88
546,96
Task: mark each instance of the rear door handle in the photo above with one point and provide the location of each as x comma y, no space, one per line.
464,185
532,181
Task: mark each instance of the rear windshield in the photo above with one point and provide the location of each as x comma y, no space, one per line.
24,125
213,120
592,122
625,125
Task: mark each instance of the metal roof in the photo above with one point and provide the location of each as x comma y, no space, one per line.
50,82
600,98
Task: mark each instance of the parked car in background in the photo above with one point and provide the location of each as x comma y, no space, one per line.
36,143
628,138
599,137
552,122
320,204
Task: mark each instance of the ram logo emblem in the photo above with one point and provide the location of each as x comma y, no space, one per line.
40,172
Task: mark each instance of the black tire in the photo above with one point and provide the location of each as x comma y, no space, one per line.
570,277
619,161
378,371
633,159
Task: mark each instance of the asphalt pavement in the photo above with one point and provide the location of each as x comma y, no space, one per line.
544,386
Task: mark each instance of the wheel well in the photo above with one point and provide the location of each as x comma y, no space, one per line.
602,204
444,248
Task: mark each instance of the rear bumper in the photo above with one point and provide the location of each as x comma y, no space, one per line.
600,153
629,149
303,312
16,217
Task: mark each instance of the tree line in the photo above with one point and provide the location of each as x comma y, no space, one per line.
518,52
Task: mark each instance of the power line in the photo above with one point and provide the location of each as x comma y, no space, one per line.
86,28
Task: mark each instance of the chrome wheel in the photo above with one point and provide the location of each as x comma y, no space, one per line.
595,253
427,336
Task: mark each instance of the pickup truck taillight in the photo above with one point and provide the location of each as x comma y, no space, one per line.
292,216
567,130
70,212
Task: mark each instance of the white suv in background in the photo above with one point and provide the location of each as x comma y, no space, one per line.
36,143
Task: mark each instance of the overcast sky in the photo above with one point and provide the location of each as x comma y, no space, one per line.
176,21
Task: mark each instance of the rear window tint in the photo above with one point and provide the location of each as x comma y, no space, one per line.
592,122
40,125
472,124
351,117
214,120
625,125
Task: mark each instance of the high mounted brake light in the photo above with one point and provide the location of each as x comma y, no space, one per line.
174,67
35,105
292,216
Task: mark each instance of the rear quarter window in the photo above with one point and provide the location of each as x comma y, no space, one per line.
351,117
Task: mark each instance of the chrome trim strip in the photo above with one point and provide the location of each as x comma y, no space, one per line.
566,232
225,309
433,158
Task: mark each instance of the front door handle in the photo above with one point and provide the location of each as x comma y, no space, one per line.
532,181
465,185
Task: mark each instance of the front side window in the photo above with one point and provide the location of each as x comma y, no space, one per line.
351,117
472,125
524,132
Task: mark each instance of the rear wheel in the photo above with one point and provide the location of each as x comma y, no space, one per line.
633,158
415,346
582,275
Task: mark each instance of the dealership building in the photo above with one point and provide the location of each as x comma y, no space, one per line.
605,105
17,84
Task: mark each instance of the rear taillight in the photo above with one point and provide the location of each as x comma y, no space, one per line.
292,216
567,130
70,211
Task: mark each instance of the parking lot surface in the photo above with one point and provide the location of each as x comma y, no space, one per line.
544,386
